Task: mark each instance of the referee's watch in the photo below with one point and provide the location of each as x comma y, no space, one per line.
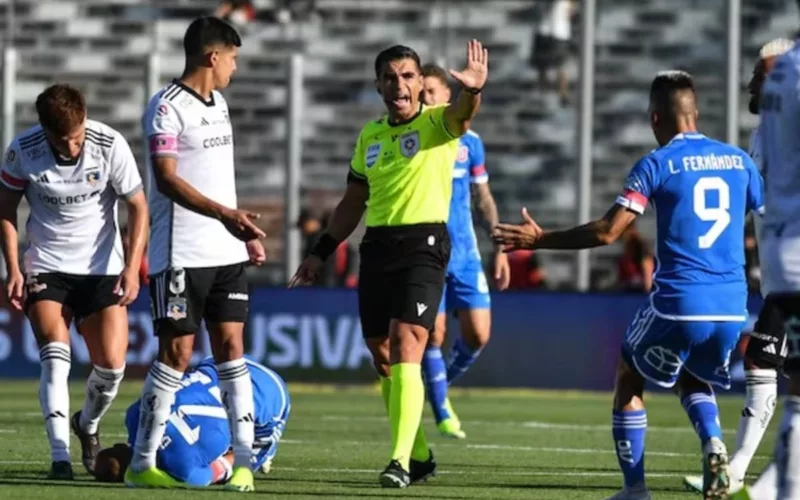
473,91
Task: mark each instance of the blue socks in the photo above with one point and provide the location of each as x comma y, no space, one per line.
702,409
462,357
629,429
434,372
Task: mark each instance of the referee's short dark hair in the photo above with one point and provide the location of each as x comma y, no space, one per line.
61,108
207,31
395,53
432,70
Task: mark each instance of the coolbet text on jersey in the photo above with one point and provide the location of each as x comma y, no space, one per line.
408,168
197,431
72,226
180,124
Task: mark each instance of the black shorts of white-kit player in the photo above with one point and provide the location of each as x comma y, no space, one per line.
83,295
784,318
401,276
767,346
182,298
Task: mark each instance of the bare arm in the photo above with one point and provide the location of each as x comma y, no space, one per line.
648,265
348,212
165,171
9,203
594,234
485,205
138,229
459,114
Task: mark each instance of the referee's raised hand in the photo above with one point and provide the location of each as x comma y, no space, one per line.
476,70
240,224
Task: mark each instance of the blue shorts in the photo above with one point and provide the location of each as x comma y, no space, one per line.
465,288
659,348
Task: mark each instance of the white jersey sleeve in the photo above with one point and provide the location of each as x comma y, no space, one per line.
162,126
11,174
124,173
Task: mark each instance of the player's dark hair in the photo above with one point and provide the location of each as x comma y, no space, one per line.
432,70
667,85
207,31
395,53
61,108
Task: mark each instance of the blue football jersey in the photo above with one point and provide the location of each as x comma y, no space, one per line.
469,169
702,190
197,431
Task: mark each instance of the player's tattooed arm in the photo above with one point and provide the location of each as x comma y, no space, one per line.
530,236
485,206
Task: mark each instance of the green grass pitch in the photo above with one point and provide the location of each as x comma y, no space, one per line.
521,444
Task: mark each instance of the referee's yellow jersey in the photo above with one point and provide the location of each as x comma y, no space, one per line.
408,167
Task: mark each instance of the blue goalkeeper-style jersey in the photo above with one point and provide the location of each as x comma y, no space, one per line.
702,190
197,431
469,169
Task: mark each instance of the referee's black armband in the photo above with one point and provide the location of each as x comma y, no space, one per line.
326,245
472,91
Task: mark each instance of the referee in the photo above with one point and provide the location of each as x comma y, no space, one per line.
402,175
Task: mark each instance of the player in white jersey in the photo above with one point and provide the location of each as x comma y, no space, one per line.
72,171
199,246
765,350
780,240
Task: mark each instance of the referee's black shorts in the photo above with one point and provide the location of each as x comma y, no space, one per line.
401,276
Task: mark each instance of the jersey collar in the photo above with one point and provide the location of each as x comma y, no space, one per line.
209,103
686,136
405,122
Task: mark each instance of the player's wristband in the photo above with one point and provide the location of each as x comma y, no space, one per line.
326,245
473,91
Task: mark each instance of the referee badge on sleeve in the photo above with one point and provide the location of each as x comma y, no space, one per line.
373,151
409,144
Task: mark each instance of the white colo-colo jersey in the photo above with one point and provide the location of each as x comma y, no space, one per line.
72,227
780,165
180,124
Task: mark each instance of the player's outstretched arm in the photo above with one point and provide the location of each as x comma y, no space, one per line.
9,202
238,222
344,220
530,236
459,114
138,230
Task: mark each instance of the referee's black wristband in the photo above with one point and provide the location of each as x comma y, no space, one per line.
473,91
325,246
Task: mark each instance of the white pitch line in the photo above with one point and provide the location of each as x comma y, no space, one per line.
445,472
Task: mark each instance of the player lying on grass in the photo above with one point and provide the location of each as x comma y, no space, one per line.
683,336
196,448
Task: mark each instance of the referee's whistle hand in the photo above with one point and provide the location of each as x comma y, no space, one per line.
307,272
240,224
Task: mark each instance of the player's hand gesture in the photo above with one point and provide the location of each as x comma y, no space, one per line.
308,272
127,286
14,289
518,236
240,224
256,252
502,271
476,71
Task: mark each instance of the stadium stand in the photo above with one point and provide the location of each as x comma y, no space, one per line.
101,46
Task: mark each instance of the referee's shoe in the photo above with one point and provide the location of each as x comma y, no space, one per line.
395,476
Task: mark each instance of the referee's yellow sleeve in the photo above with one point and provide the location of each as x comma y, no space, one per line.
358,169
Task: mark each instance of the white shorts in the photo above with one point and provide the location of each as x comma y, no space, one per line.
779,257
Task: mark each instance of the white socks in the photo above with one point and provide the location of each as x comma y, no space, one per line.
54,397
766,487
787,454
237,396
759,406
158,396
101,389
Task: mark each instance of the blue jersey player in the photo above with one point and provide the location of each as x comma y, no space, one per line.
702,191
466,291
195,450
